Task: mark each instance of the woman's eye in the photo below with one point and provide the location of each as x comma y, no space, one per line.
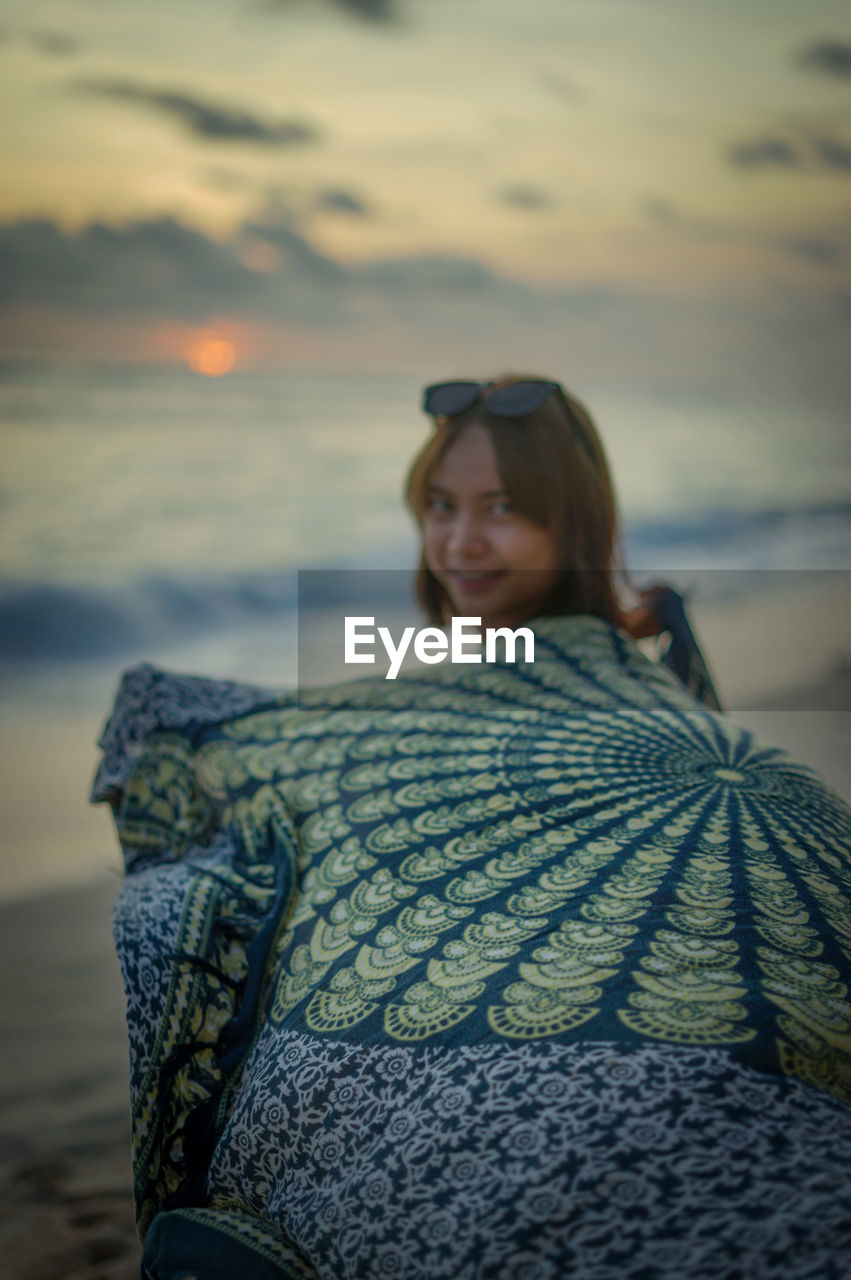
501,507
438,505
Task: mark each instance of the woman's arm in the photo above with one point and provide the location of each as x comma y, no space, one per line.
662,612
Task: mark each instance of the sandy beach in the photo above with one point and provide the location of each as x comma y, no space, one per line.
64,1124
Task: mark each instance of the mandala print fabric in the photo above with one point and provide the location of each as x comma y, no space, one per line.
510,972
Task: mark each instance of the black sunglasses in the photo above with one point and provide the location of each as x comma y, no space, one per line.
444,399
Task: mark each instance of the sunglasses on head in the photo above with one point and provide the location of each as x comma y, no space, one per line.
444,399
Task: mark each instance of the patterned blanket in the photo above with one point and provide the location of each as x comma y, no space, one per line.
503,971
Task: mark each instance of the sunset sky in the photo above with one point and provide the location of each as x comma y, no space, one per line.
656,190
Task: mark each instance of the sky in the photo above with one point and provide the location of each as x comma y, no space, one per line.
649,191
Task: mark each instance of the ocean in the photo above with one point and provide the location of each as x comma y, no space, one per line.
151,514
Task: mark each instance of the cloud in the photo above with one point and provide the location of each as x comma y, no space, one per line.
269,271
338,201
106,268
563,88
288,202
160,267
761,153
375,11
831,57
371,10
427,274
821,250
660,210
833,153
814,153
56,44
523,197
63,292
816,249
205,119
278,228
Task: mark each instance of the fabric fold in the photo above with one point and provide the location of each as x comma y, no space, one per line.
518,970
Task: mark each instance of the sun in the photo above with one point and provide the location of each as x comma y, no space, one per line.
211,355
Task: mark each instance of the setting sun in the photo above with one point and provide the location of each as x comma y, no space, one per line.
211,355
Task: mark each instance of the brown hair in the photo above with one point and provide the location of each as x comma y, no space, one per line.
554,470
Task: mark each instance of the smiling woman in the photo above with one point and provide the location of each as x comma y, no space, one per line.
516,506
518,518
510,970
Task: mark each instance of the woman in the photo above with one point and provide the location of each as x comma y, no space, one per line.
511,970
518,517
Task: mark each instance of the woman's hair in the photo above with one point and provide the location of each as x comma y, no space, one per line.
554,470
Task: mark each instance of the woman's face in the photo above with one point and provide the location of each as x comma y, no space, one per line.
492,562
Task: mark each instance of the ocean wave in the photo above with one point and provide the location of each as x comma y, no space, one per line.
44,620
808,536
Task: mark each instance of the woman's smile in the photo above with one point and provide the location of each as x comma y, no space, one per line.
470,580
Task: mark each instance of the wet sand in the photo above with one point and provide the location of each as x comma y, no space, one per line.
66,1202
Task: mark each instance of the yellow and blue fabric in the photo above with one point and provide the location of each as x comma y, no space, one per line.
507,971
